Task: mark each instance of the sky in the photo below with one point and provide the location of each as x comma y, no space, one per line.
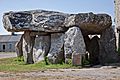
66,6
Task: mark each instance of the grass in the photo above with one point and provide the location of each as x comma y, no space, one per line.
18,65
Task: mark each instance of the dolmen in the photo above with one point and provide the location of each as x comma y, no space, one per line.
59,36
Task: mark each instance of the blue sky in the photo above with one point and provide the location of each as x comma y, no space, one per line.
67,6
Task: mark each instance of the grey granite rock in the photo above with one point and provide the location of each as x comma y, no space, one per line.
89,23
56,53
28,43
74,44
18,47
35,20
107,46
41,47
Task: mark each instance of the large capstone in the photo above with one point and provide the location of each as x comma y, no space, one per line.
74,45
89,23
108,47
35,20
56,53
28,43
51,21
41,47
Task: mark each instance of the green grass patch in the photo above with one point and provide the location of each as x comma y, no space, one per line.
18,65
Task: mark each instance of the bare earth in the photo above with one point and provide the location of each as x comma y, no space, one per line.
65,74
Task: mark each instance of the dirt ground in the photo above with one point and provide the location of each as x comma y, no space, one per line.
99,73
65,74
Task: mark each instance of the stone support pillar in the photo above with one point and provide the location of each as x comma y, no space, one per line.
28,43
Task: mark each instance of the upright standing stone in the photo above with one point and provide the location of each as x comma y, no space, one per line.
18,47
56,53
108,47
87,43
28,43
93,50
41,48
74,45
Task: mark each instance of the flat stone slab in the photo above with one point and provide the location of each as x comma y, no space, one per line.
35,20
51,21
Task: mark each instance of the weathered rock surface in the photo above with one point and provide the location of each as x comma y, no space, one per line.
89,23
41,48
18,47
74,44
35,20
56,53
28,43
51,21
93,50
108,47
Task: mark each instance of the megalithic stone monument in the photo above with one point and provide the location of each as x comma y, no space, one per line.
63,34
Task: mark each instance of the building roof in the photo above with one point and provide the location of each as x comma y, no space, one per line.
10,38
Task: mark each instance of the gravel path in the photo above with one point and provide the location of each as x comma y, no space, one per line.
65,74
7,54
